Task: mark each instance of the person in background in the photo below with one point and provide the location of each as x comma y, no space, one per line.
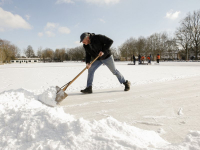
139,59
99,45
158,58
149,59
134,59
142,58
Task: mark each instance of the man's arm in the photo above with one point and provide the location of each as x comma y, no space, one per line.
87,58
87,55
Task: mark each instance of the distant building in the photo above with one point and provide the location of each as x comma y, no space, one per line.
25,60
169,56
125,59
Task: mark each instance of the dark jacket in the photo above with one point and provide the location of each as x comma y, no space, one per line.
133,57
98,43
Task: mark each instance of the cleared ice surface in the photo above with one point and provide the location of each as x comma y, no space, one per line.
41,76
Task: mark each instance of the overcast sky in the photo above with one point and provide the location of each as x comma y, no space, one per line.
59,23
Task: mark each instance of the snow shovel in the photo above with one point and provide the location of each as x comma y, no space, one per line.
61,95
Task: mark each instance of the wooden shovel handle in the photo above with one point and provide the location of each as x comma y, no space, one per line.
79,74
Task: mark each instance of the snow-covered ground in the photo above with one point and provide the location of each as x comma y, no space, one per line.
160,112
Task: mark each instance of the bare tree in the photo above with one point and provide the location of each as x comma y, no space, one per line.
57,55
171,48
29,52
157,41
183,38
8,51
128,48
2,53
77,53
60,54
195,32
44,55
149,46
188,34
140,46
39,52
49,54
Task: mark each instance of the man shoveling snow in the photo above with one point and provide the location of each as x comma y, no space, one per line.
99,45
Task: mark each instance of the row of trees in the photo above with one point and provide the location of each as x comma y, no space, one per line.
46,54
62,54
185,42
76,54
160,43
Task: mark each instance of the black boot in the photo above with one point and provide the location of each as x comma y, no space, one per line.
87,90
127,85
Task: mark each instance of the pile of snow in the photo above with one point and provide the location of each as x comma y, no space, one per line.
26,123
48,96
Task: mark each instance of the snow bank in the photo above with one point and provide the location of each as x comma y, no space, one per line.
26,123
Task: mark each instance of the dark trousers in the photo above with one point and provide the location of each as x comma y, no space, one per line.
158,60
139,61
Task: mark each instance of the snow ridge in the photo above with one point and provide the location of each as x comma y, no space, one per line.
26,123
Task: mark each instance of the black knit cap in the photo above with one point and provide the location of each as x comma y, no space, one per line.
83,35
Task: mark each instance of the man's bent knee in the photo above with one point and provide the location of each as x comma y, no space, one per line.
115,72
